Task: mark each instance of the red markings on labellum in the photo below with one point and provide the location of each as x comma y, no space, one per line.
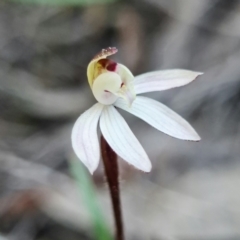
108,64
111,66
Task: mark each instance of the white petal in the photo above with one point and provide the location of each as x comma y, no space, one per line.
125,74
85,139
160,117
127,90
163,80
122,140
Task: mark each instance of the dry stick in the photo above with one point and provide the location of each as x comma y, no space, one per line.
111,171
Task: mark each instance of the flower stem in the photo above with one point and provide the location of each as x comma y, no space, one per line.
111,171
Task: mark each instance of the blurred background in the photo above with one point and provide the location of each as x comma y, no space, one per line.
193,191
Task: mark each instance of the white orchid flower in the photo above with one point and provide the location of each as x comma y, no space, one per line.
113,85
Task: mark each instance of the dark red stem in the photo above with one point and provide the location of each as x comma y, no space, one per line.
111,170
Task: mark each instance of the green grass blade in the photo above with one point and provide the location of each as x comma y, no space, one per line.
86,187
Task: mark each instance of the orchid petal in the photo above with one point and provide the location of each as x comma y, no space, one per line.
125,74
127,94
163,80
85,139
122,140
161,117
127,91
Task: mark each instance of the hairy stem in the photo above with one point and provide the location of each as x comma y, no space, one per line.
111,171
